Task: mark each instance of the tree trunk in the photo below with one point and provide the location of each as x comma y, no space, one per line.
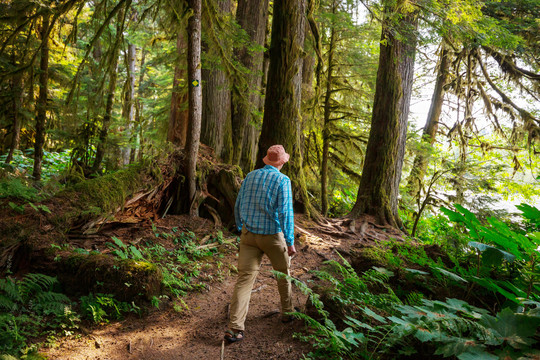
109,102
326,125
416,177
42,101
178,116
104,131
216,108
17,91
252,16
379,185
282,122
139,108
195,101
129,104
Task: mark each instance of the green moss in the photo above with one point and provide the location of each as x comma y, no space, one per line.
128,280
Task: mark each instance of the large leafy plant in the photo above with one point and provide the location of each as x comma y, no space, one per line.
507,261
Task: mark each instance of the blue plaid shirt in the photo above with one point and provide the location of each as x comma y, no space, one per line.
264,204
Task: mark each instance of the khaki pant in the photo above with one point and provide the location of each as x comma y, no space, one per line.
252,248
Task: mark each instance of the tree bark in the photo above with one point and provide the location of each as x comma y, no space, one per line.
282,121
416,177
178,116
104,131
195,100
216,109
252,16
129,104
379,185
139,108
17,91
42,101
109,102
326,125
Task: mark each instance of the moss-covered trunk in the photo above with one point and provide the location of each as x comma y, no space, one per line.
282,121
252,16
379,185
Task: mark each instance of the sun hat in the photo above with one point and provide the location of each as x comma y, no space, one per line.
276,156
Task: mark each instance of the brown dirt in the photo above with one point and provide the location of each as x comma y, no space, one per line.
197,333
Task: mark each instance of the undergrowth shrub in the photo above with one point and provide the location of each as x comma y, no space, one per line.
32,307
360,316
101,308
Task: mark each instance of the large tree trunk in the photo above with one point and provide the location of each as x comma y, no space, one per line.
379,185
282,122
252,16
195,101
416,177
129,103
178,116
42,101
216,109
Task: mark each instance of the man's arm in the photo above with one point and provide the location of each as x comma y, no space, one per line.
286,213
237,218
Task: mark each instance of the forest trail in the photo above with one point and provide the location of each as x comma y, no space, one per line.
197,333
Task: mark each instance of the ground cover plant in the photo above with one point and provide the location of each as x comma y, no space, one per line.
368,315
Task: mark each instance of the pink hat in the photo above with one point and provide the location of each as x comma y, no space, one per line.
276,156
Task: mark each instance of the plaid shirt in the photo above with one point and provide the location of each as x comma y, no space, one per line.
264,204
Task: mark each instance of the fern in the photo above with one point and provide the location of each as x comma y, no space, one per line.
33,284
32,307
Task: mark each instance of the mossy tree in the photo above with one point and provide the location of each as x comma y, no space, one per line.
282,123
379,185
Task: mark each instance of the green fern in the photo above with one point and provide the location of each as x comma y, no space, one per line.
32,307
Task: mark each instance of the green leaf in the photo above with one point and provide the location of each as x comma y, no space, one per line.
490,249
449,274
516,329
374,315
415,271
119,242
354,322
425,335
476,354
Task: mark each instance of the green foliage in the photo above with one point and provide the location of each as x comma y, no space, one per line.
31,307
507,260
101,308
124,251
18,188
54,163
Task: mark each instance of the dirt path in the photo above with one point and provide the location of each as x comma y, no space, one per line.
198,332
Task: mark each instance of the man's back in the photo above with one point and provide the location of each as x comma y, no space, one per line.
264,203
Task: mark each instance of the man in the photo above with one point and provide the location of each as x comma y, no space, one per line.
264,213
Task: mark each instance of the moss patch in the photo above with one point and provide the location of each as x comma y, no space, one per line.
98,273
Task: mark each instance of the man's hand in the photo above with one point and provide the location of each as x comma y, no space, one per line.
291,250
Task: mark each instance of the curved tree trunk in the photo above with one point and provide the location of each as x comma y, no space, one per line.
252,16
178,116
42,101
379,185
195,100
282,122
416,177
